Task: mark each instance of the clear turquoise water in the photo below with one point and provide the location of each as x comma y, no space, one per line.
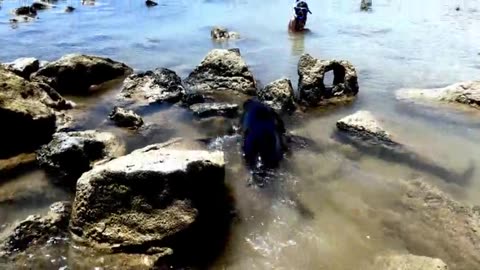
400,44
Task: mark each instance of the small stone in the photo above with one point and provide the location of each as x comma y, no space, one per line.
151,3
125,118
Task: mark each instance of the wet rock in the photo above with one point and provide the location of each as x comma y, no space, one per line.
152,199
27,122
23,67
278,95
86,258
151,3
25,11
193,98
36,230
125,118
70,154
41,5
215,109
69,9
364,125
16,163
366,5
221,33
408,262
76,74
465,93
158,86
311,86
449,229
222,70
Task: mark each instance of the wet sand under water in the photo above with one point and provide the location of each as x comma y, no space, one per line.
330,208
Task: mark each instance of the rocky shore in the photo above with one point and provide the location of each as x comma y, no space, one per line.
163,204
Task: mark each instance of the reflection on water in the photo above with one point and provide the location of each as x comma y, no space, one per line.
344,190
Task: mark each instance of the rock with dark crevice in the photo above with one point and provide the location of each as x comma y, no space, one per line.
76,74
125,118
36,230
70,154
159,86
193,98
153,199
311,86
204,110
37,5
222,70
279,95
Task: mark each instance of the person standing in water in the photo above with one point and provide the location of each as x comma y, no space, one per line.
300,11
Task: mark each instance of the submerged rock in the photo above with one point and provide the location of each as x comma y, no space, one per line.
222,70
126,118
158,86
76,74
278,95
27,122
70,154
432,223
23,67
364,125
215,109
221,33
408,262
311,86
152,200
465,93
36,230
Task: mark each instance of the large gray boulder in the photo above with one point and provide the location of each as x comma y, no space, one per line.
152,200
35,230
70,154
76,74
23,67
311,87
279,95
158,86
222,70
27,120
463,93
408,262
